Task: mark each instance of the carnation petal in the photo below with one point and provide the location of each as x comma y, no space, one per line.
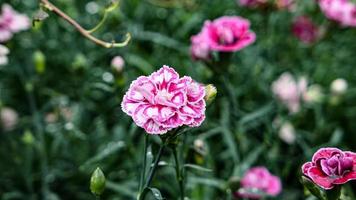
325,153
345,178
306,167
320,178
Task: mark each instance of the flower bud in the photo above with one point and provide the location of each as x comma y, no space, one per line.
28,138
117,63
39,60
313,94
210,93
339,86
97,182
4,51
287,133
8,118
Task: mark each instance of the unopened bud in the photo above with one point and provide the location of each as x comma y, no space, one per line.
8,118
339,86
39,60
28,138
117,63
313,94
210,93
97,182
287,133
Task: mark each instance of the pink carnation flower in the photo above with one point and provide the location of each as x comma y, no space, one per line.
342,11
225,34
290,91
163,101
330,167
305,30
11,22
258,181
229,34
200,48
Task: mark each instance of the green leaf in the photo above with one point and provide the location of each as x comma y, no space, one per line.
156,193
197,167
314,190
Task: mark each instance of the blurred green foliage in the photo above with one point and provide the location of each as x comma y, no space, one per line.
68,99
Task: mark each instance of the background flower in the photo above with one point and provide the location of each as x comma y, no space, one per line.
290,91
227,34
257,182
11,22
305,30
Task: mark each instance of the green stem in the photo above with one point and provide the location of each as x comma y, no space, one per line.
144,163
152,172
178,173
102,21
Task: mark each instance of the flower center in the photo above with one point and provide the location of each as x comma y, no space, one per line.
337,165
226,36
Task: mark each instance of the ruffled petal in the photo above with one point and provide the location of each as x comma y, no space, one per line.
163,76
306,167
325,153
320,178
345,178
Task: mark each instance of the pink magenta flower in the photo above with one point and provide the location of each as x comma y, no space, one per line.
305,30
228,34
11,22
225,34
200,49
330,167
342,11
257,182
163,101
290,91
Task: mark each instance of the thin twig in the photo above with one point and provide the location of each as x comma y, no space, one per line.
83,31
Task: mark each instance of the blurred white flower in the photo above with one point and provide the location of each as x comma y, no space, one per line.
4,51
92,7
117,63
290,91
339,86
287,133
8,118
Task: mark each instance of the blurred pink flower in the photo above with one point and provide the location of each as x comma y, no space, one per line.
342,11
228,34
258,181
330,167
200,48
163,101
252,3
290,91
118,63
8,118
11,22
305,30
